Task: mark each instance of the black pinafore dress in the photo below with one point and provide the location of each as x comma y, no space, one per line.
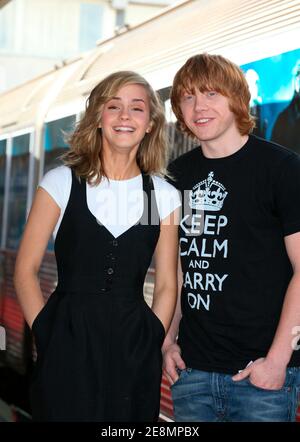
98,342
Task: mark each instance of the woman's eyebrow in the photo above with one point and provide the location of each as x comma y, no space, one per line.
134,99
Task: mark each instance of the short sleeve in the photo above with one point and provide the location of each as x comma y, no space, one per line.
57,182
287,195
167,197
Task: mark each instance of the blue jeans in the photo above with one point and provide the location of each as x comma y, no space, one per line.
201,396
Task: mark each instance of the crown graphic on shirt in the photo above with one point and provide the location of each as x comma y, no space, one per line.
209,194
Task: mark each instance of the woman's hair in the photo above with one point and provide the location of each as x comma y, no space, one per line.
84,155
213,72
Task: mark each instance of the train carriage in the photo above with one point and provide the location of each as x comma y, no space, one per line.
260,35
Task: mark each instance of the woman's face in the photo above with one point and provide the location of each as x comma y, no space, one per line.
125,118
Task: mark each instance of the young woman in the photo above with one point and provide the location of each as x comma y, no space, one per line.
98,343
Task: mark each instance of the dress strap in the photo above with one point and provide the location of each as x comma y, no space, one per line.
78,188
150,213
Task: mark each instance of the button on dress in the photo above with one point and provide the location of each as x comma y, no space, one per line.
98,343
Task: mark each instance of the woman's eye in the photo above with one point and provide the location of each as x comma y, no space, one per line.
112,107
138,109
211,93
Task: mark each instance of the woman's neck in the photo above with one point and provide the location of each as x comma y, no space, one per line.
120,166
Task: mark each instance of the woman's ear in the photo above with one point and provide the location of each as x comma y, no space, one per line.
149,128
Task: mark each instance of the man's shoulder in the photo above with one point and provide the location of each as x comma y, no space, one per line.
185,159
180,168
271,151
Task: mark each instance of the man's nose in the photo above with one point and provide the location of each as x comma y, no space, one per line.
200,103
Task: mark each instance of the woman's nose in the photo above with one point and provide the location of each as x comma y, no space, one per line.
124,114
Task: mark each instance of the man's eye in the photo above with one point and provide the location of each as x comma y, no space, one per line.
211,93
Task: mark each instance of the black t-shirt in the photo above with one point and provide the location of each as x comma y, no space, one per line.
236,212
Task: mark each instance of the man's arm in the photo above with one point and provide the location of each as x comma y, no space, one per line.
269,372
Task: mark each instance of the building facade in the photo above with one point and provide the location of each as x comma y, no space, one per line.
37,34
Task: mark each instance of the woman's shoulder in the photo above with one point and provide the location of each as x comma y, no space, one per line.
57,182
167,196
162,184
60,173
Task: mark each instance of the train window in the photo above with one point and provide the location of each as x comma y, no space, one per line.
2,179
18,187
164,93
54,143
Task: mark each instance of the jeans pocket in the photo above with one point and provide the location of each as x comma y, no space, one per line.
279,390
181,376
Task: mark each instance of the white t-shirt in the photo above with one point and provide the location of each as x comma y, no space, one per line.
118,205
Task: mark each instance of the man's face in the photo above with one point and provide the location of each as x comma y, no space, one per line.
207,115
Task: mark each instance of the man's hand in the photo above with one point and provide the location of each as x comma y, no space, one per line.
264,373
172,360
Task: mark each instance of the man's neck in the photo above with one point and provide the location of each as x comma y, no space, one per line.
220,149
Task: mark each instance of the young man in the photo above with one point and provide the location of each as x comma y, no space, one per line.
238,316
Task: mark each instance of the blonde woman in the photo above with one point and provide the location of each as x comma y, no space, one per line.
98,342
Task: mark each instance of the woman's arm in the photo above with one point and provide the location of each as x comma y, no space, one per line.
42,219
171,336
165,289
170,349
